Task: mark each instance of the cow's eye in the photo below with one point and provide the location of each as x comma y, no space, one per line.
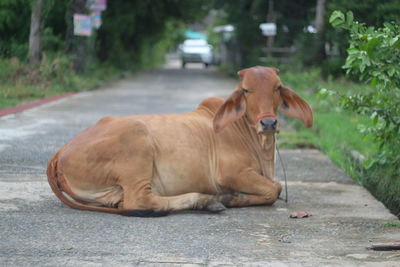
245,90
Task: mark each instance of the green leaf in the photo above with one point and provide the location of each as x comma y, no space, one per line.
393,40
337,19
350,18
352,51
374,82
375,118
368,163
397,119
389,26
391,72
371,45
362,67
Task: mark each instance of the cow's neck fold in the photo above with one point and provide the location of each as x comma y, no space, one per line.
262,146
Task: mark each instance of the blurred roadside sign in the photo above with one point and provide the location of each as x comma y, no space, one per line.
268,29
96,19
224,28
82,25
97,5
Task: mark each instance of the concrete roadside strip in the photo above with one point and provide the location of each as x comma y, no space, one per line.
32,104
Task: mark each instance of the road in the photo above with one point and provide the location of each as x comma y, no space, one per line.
36,229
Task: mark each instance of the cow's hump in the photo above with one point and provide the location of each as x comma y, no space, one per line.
212,103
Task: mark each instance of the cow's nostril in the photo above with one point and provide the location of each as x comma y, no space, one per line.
268,125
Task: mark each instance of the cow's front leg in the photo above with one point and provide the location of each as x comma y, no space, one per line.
250,189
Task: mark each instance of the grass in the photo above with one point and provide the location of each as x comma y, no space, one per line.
392,224
335,132
20,82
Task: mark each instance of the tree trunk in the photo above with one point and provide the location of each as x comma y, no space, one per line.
270,18
319,44
35,35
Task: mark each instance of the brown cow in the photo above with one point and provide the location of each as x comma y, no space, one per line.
221,154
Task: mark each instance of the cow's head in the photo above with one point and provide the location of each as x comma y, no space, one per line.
259,95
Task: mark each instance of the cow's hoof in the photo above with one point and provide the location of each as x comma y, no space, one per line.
216,207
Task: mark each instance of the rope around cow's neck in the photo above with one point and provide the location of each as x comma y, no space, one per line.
283,168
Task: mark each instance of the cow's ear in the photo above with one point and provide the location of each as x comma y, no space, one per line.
294,106
231,110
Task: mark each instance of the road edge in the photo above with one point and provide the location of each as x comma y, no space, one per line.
32,104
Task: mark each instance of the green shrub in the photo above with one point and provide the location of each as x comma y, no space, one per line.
21,82
374,56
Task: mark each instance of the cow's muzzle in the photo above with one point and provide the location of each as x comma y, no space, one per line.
268,125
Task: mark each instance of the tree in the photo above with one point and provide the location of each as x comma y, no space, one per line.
319,42
14,18
36,32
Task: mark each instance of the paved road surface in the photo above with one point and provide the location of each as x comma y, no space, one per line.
37,230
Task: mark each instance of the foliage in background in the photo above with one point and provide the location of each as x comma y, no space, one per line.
137,32
292,19
374,56
371,12
14,27
134,34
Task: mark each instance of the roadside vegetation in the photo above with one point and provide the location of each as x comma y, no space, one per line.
21,82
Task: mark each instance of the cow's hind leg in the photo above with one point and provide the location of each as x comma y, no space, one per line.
134,167
135,170
145,203
190,201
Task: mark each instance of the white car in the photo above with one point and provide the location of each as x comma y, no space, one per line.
196,51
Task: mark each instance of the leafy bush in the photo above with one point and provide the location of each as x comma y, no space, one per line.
22,82
374,56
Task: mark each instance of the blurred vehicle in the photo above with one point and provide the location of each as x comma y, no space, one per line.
196,50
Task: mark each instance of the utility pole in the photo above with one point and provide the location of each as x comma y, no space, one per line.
35,35
76,45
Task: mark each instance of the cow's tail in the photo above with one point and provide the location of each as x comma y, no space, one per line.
61,189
